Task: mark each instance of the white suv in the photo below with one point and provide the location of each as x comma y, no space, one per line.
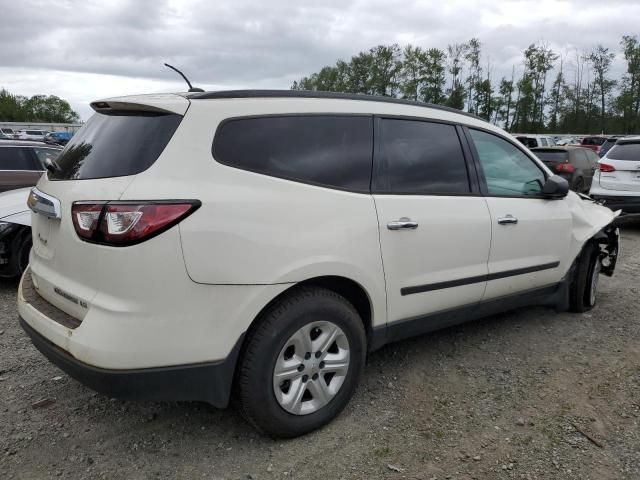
33,135
187,246
616,182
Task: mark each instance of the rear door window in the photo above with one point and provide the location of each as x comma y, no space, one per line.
333,151
581,159
115,145
420,157
16,158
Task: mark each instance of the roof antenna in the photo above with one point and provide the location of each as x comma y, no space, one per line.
191,87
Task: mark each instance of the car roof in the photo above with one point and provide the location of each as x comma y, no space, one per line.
22,143
226,94
628,140
560,148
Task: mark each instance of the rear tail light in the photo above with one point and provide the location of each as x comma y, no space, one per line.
127,223
565,168
605,167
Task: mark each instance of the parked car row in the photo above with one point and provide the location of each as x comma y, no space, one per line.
52,138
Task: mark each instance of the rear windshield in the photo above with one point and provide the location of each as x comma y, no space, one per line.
528,142
625,151
115,145
551,155
593,141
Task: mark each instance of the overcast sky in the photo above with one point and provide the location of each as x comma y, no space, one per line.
84,50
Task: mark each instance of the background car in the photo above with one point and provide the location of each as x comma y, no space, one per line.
22,163
34,135
6,134
608,145
617,181
57,138
15,233
593,142
533,141
576,164
566,141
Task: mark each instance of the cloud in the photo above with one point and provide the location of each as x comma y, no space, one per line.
84,50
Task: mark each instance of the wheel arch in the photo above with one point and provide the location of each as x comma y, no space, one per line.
346,287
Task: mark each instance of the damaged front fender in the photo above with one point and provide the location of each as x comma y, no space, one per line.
592,221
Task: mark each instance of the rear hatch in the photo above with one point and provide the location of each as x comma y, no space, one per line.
593,143
620,167
553,158
122,139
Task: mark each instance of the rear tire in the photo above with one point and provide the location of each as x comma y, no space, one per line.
276,340
579,185
584,286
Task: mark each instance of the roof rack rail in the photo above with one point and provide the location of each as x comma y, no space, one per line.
319,94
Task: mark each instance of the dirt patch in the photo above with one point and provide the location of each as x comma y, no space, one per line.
531,394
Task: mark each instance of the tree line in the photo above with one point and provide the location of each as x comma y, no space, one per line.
548,92
38,108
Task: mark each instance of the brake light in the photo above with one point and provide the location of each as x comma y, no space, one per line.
127,223
565,168
605,167
85,218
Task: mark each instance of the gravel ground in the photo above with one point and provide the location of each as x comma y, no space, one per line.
531,394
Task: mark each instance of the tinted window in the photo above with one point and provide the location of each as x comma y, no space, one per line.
593,141
529,142
507,170
552,156
115,145
420,158
544,142
12,158
625,151
581,159
592,157
333,151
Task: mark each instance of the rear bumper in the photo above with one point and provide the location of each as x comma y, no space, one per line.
628,204
208,382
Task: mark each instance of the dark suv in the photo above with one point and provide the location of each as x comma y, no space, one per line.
22,163
576,164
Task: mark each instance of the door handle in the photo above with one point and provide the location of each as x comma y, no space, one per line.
507,220
404,222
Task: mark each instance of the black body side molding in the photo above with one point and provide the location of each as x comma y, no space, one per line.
556,295
477,279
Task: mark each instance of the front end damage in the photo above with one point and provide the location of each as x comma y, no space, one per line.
609,241
593,222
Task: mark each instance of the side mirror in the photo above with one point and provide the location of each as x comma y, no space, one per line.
555,187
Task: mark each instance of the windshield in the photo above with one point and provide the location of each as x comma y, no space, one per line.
115,145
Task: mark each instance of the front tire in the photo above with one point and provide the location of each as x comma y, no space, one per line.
302,363
584,287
